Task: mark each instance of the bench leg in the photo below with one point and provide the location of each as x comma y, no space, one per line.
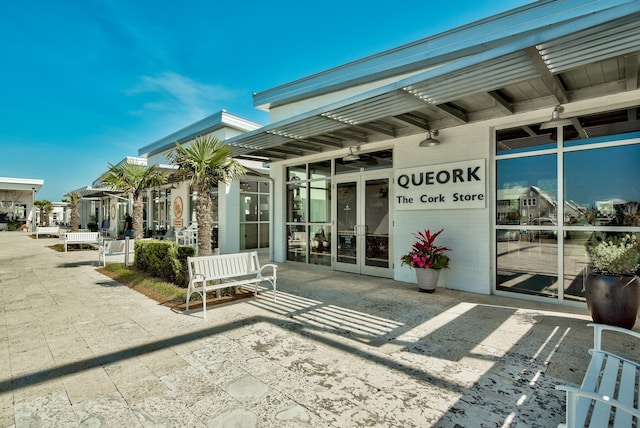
204,303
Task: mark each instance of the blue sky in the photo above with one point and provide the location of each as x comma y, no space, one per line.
86,82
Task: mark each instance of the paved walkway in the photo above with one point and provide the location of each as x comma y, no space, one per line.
336,350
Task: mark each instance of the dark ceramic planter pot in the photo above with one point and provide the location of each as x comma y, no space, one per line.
613,300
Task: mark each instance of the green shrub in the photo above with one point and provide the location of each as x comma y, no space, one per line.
614,255
163,259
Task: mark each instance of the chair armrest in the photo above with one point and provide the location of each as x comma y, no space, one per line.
599,328
269,265
598,397
197,278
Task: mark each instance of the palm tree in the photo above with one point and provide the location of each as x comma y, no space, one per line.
207,161
45,208
132,179
74,199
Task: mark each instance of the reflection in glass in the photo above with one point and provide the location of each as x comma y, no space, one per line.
254,214
297,243
298,172
248,236
527,190
347,209
296,202
575,263
377,221
320,245
526,267
162,210
249,207
523,139
320,169
598,186
320,201
368,161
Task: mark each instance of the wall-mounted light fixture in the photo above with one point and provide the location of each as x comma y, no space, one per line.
430,141
556,120
350,157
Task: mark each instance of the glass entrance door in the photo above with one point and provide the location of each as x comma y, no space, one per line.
363,225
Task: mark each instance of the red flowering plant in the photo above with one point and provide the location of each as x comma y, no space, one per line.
425,254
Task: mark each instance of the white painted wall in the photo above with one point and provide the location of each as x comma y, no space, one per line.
229,216
466,231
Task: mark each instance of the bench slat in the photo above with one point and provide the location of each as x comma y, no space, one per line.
626,392
609,377
589,383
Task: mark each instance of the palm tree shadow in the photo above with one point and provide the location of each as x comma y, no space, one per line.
77,264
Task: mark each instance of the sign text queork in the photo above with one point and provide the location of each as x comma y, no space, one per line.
457,185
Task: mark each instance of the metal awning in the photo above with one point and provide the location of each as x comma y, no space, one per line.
577,58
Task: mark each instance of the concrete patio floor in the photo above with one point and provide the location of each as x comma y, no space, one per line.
335,350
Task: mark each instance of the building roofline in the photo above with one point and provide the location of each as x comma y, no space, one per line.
450,45
20,183
214,122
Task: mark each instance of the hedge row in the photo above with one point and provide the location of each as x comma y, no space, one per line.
163,259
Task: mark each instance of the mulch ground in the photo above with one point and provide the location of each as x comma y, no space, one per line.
172,303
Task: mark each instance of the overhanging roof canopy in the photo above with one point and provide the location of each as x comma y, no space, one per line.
537,56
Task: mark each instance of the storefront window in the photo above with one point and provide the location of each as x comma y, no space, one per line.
309,214
527,190
161,207
254,214
601,186
599,159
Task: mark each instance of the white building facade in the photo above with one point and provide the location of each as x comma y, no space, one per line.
356,171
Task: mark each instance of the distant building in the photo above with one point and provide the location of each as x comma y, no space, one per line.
16,200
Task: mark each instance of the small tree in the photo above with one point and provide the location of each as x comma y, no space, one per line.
74,199
45,208
206,161
132,179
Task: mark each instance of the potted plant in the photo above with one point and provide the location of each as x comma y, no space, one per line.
612,287
427,259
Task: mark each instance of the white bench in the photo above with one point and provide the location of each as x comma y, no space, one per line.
47,230
609,395
81,238
208,273
111,247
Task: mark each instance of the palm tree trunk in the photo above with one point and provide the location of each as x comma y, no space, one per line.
138,216
75,217
203,214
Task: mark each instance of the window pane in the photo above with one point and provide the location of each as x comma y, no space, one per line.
527,191
264,235
601,186
605,127
249,186
320,201
296,202
249,236
320,245
526,267
320,169
298,172
368,161
297,243
264,208
523,139
248,207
